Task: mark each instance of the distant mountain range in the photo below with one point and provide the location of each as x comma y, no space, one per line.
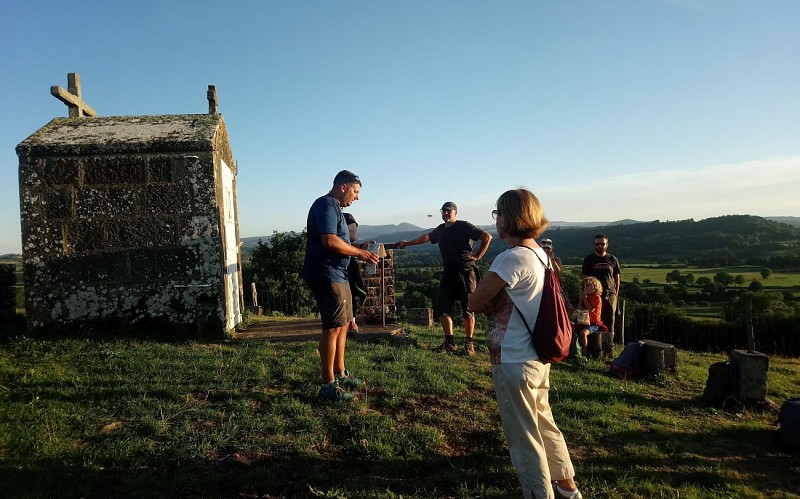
381,232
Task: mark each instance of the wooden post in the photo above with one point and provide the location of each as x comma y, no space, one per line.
751,340
622,327
72,97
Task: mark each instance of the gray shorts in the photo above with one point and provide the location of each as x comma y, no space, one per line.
333,302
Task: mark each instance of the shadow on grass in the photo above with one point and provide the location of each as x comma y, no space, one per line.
679,459
240,475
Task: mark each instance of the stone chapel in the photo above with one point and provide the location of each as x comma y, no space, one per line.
129,223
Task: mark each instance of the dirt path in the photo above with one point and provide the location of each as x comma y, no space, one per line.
309,330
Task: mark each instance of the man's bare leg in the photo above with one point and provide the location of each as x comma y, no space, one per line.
328,346
341,343
447,324
469,327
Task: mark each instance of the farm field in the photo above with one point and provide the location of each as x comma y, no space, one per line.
657,274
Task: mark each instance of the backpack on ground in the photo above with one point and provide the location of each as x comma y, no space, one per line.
721,383
628,364
789,421
552,332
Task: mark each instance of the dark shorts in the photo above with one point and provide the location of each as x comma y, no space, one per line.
333,303
456,286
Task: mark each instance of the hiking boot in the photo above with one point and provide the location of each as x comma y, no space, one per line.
332,391
347,380
567,494
469,349
446,347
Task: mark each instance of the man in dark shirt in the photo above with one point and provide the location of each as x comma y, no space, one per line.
328,253
605,267
459,278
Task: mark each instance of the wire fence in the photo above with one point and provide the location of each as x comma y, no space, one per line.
688,329
772,335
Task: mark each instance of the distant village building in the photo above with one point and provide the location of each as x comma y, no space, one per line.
129,224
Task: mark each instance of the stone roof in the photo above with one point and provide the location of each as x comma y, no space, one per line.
123,134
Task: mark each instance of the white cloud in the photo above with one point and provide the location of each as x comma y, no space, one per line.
762,187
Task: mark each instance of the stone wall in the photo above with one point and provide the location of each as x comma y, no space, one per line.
116,237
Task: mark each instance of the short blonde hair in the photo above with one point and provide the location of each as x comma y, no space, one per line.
522,212
594,282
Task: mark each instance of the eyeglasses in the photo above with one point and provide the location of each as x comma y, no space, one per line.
599,244
495,214
446,211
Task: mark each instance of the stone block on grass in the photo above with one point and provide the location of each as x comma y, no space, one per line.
659,357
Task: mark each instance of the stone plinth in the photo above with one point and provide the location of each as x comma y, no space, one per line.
379,305
752,368
600,344
8,293
420,316
255,310
659,357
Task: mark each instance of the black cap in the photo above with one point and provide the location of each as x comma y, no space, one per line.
450,206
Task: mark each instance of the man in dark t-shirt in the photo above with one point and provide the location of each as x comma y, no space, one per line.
459,277
605,267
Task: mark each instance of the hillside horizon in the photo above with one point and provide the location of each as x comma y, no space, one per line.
720,241
403,229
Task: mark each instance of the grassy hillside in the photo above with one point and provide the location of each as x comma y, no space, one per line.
82,418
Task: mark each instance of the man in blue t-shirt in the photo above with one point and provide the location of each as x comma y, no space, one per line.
328,252
460,276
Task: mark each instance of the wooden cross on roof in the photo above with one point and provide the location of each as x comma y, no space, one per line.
72,97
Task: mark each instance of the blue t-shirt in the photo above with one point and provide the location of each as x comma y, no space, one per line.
321,264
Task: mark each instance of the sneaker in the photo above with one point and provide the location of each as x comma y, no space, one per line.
567,494
332,391
469,349
446,347
347,380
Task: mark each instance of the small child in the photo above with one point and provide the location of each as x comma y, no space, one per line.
591,300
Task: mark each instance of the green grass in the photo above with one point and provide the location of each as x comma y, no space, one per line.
81,418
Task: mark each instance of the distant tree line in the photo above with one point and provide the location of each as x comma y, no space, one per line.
713,242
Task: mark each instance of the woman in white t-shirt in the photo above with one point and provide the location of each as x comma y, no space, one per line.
536,445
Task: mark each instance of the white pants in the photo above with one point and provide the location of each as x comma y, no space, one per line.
536,445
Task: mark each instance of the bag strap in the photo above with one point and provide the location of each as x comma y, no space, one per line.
524,321
547,266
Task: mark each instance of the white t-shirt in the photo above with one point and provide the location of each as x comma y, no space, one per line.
507,338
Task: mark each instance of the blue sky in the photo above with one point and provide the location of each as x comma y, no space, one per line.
643,109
